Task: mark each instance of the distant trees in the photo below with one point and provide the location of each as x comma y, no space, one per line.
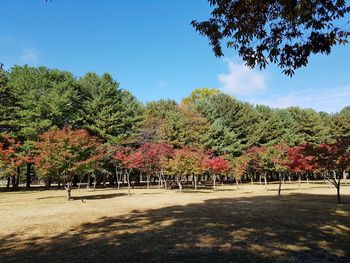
185,162
55,127
10,160
216,166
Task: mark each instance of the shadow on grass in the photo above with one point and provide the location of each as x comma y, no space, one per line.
294,228
87,197
97,196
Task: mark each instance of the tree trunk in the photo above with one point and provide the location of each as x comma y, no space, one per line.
28,175
345,177
95,181
265,180
48,183
75,181
128,180
338,191
148,180
15,179
214,182
237,183
88,182
280,185
68,187
299,180
8,182
195,182
178,180
14,183
259,178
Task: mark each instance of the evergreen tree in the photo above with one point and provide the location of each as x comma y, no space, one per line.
106,111
42,99
310,126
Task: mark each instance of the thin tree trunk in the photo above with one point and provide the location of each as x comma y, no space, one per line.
237,183
48,182
8,182
28,175
338,191
280,185
299,180
68,187
104,180
265,180
178,180
81,178
95,182
88,182
128,180
259,178
15,179
195,182
214,181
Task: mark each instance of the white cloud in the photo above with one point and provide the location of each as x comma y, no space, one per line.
329,100
241,80
29,56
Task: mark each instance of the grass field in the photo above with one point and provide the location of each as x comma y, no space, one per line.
228,225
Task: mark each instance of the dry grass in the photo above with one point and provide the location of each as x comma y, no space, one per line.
228,225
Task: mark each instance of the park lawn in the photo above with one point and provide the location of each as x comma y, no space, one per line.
228,225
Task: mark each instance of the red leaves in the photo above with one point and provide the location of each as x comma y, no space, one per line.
297,161
216,165
10,154
331,157
152,155
146,158
65,151
128,158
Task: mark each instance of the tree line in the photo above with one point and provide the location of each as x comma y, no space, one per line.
63,129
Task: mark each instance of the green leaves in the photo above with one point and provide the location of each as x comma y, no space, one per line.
42,99
281,32
106,111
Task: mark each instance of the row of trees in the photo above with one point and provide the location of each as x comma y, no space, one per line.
65,154
61,128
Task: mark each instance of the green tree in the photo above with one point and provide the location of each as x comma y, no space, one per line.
106,111
341,123
43,99
184,127
276,126
310,126
198,96
155,115
241,119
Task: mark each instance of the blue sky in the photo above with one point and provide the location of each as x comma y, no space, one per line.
151,49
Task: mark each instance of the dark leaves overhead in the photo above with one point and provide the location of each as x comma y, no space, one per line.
285,32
